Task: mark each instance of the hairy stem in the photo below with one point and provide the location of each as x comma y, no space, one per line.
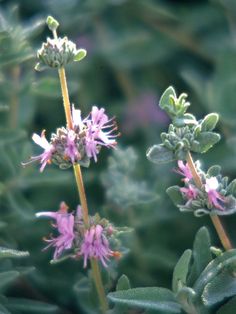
215,219
99,285
80,185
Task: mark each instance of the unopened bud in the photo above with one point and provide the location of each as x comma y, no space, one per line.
52,23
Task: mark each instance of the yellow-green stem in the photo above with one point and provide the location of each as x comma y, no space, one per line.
215,219
14,101
99,285
80,185
82,195
65,96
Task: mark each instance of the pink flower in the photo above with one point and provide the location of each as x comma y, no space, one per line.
184,170
96,130
65,227
97,134
95,245
76,117
213,195
71,150
46,156
190,192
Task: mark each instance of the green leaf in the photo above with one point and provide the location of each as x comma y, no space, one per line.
186,297
30,306
187,119
221,287
159,154
214,171
181,271
205,141
231,189
175,194
166,99
9,253
228,308
123,283
209,122
214,268
201,254
81,54
7,277
147,298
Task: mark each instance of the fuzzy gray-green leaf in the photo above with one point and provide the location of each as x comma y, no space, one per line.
205,140
231,189
175,194
228,308
219,289
214,171
159,154
201,254
166,100
147,298
209,122
181,271
123,283
80,55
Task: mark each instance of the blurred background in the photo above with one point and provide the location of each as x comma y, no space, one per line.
136,49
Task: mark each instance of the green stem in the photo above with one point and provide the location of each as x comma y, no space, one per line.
99,285
14,101
215,219
80,185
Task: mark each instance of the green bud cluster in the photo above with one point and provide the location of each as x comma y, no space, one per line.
185,133
58,52
173,105
197,137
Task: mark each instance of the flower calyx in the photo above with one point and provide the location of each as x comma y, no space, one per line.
57,53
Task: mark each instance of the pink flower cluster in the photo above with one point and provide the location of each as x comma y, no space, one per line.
97,130
91,243
191,192
86,138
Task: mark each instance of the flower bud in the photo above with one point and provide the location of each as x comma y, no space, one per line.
56,53
52,23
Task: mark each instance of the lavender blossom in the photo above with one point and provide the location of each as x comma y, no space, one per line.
214,196
95,245
65,227
46,156
189,192
71,150
95,131
184,170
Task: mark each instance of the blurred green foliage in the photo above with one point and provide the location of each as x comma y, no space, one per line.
135,50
